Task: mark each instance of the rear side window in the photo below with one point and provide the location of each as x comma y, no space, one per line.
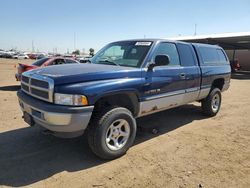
170,50
57,62
40,62
212,55
222,57
186,55
209,55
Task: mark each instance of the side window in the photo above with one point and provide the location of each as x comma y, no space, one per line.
186,55
209,55
57,62
222,57
213,55
170,50
60,61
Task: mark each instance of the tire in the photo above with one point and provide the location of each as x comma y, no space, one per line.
211,105
105,138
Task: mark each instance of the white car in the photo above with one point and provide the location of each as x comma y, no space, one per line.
21,56
84,59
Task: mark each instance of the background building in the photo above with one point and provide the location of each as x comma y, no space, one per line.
236,45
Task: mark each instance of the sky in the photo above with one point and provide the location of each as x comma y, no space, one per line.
54,24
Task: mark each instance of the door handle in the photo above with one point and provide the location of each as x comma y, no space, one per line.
183,76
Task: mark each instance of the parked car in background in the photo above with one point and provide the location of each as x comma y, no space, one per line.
47,61
84,59
40,56
7,54
20,56
32,56
36,55
2,52
235,65
69,56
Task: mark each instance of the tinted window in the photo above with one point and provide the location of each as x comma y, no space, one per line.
213,55
186,55
209,55
170,50
221,55
40,62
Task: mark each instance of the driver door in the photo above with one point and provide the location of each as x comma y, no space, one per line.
164,86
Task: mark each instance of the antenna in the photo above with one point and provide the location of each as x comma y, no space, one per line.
195,28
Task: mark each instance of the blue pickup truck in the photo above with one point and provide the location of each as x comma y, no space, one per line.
125,80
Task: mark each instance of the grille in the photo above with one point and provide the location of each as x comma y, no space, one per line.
25,79
40,83
25,87
37,92
38,86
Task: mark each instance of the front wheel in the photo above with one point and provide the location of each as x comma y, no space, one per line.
211,104
112,132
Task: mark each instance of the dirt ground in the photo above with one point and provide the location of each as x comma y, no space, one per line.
188,150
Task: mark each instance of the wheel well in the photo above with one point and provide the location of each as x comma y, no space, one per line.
218,83
127,100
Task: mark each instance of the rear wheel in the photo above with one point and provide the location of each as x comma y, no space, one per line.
211,105
112,132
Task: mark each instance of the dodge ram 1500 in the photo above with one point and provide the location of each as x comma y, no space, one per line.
125,80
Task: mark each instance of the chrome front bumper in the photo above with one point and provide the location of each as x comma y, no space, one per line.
54,117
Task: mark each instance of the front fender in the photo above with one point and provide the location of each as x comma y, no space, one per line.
97,89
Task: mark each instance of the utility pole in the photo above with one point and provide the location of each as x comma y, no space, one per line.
195,28
74,41
33,48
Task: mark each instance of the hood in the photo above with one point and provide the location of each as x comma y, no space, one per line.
72,73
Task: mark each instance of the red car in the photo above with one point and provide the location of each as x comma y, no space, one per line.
235,65
47,61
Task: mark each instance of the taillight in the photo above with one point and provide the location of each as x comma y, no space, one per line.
21,68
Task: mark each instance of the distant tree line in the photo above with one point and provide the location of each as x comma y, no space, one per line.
91,52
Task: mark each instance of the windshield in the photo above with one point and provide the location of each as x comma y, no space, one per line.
40,62
126,53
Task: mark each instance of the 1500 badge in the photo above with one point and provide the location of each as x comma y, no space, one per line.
153,91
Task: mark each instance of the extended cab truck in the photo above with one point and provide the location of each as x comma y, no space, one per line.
125,80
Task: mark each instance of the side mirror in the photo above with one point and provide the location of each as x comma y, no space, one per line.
160,60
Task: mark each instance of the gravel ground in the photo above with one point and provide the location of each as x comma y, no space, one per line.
189,149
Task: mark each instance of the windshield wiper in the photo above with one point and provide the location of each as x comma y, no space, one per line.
109,62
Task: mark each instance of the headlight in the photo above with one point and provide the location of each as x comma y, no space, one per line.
67,99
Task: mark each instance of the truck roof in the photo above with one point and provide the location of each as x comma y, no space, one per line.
168,40
206,45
